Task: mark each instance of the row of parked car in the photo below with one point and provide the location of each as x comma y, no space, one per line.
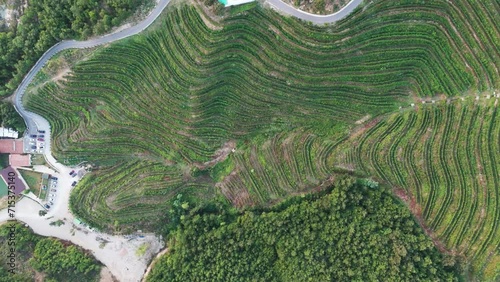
73,174
52,192
40,138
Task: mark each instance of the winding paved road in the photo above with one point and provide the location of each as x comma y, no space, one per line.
115,255
316,19
32,119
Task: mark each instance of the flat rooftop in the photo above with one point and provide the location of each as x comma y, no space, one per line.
228,3
17,160
11,146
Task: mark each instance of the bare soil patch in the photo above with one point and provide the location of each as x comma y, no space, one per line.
60,75
359,130
107,276
363,119
39,276
219,156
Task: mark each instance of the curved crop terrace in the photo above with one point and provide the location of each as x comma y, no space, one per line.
158,113
447,158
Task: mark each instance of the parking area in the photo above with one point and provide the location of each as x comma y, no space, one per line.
34,142
50,191
54,185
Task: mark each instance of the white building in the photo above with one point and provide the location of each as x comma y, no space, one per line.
7,132
228,3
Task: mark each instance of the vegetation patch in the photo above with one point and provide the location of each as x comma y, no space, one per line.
446,158
142,250
9,118
4,160
33,179
153,113
353,233
56,260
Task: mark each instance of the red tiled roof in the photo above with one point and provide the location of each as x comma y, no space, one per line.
11,146
16,160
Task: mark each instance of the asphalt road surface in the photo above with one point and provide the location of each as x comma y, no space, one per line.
316,19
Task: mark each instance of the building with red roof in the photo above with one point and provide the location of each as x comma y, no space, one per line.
16,160
11,146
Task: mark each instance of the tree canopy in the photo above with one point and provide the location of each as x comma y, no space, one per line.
9,118
45,22
53,258
59,260
354,233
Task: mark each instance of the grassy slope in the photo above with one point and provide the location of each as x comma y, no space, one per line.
33,179
151,110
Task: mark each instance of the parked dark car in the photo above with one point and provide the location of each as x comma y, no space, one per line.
47,206
73,184
41,131
33,147
40,139
71,172
41,136
55,178
33,136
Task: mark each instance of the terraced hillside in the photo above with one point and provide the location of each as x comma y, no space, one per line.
256,105
447,157
286,164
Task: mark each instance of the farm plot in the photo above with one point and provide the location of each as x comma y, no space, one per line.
170,98
134,194
286,164
447,157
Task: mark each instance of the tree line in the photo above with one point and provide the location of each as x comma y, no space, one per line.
45,22
353,233
57,260
9,118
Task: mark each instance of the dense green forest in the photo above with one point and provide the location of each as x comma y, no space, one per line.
353,233
56,260
45,22
9,118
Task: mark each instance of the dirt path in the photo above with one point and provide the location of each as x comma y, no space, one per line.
153,263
